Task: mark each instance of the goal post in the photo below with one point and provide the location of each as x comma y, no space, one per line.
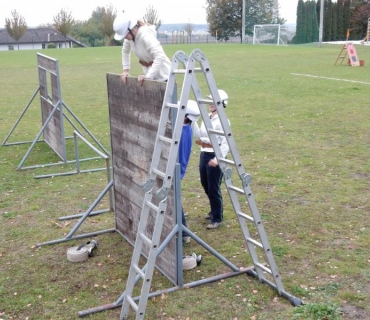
273,34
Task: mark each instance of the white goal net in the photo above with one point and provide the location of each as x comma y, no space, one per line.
273,34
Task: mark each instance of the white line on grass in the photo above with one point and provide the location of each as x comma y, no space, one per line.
336,79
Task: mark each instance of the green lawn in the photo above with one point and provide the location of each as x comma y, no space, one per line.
303,132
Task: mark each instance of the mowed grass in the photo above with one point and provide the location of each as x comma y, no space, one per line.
303,133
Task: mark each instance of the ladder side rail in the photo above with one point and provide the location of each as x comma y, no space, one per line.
131,280
161,193
176,136
145,289
235,154
242,222
264,240
248,194
223,118
167,182
218,154
163,122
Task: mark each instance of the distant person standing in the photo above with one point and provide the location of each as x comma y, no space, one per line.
141,39
209,170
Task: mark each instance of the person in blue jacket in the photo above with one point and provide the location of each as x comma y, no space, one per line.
186,142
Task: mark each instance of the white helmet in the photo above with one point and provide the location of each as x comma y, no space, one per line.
192,110
121,26
223,96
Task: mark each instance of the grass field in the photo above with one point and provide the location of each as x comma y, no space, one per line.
303,132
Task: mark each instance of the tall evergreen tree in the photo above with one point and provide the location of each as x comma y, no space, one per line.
334,22
328,20
346,15
314,22
307,22
300,26
341,29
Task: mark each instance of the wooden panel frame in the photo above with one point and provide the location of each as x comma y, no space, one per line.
53,133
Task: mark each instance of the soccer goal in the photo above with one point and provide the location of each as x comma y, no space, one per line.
273,34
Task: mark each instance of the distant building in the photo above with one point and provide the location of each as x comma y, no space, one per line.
37,38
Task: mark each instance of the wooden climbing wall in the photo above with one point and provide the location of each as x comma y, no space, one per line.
134,113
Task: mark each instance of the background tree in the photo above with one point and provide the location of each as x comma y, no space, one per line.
300,26
88,32
314,22
334,22
328,17
106,26
261,12
189,28
360,18
311,26
341,29
151,17
63,22
224,17
339,17
16,26
346,17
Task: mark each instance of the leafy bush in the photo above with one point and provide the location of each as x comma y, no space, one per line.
51,45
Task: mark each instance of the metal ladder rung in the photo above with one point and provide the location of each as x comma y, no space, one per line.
145,239
179,71
256,243
183,71
165,139
172,105
205,101
245,216
152,205
139,271
159,173
241,191
132,303
218,132
261,266
227,161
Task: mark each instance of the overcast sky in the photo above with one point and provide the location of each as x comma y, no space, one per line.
38,12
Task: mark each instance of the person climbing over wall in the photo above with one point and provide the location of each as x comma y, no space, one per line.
141,39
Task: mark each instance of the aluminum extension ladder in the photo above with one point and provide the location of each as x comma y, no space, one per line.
155,200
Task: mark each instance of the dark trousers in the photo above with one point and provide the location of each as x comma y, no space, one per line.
210,178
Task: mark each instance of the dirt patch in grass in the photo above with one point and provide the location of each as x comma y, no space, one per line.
352,312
